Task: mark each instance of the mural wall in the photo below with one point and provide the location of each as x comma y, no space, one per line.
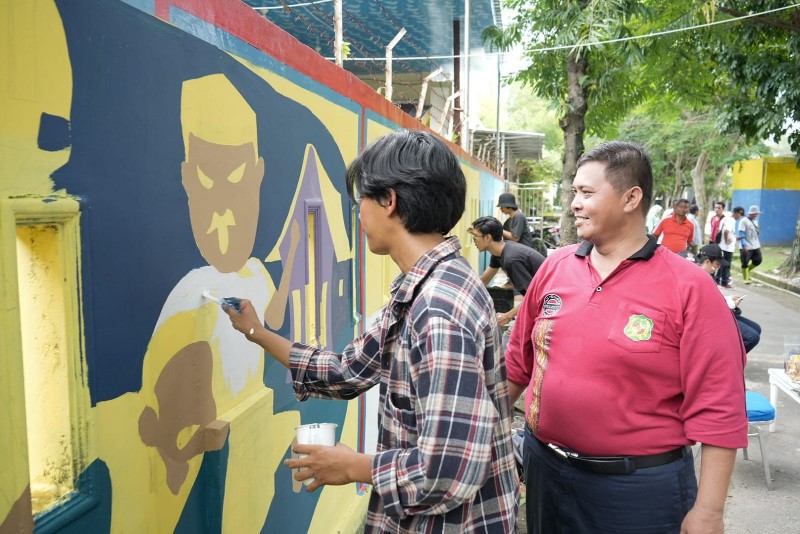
150,151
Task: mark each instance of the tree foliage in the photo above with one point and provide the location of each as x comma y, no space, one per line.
677,142
590,86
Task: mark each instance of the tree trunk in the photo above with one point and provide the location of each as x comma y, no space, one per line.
791,267
676,190
699,184
574,125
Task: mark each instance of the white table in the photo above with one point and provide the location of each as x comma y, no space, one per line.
779,379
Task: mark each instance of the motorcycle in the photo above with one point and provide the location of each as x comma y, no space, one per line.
551,235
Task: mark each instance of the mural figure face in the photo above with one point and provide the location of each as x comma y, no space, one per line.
223,184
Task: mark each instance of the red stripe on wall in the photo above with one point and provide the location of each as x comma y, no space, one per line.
240,20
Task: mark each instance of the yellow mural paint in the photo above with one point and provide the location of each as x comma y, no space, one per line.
328,515
323,315
37,79
341,122
141,499
212,109
258,442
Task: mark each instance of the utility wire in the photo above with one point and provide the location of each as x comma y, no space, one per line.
584,45
289,6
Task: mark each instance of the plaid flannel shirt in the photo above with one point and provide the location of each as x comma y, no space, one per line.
444,460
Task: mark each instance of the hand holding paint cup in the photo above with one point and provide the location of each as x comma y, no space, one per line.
315,434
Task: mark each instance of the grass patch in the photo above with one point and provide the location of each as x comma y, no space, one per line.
773,258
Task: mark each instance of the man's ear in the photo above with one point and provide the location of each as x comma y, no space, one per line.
633,198
391,202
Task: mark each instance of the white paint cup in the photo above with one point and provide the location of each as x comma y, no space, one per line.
315,434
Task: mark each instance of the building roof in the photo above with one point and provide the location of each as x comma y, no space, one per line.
369,25
515,145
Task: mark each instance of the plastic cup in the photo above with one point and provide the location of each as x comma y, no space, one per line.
315,434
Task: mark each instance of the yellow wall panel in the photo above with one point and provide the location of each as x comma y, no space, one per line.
748,174
782,173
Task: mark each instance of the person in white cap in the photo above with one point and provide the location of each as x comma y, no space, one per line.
750,246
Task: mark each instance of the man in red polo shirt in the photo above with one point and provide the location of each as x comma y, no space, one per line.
627,354
678,230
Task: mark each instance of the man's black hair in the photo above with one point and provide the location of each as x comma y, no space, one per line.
738,209
627,165
422,171
693,209
489,226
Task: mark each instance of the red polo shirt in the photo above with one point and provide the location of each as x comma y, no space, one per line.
677,236
642,362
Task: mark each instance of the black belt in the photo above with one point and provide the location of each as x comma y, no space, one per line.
615,465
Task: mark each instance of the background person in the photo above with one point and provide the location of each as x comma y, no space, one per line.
515,228
711,259
750,246
444,460
677,229
727,244
697,239
614,345
518,261
653,217
716,219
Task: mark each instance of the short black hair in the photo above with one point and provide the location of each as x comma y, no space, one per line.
627,165
720,204
424,173
694,208
738,209
489,226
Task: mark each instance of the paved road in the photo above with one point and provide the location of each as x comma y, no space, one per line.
751,509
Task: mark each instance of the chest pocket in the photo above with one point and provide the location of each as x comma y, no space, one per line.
637,328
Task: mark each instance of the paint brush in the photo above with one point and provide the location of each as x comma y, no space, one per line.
233,302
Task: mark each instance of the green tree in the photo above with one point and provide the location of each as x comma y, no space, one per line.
760,57
688,150
591,87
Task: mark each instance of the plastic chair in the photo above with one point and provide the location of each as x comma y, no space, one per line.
759,412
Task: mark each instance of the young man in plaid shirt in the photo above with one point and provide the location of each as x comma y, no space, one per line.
444,460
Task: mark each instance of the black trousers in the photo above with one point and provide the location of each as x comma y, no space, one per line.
564,499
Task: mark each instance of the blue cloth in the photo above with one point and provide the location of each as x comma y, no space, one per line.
758,407
562,498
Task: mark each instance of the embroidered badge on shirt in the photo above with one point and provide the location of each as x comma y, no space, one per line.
639,328
551,305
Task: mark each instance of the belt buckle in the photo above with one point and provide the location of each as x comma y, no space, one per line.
561,452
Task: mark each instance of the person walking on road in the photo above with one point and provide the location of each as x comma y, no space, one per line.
518,261
627,355
750,246
516,226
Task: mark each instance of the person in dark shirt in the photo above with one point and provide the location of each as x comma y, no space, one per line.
518,261
516,226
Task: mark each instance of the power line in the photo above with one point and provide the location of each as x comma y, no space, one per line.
289,6
584,45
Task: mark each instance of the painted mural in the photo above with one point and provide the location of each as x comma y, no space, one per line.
151,150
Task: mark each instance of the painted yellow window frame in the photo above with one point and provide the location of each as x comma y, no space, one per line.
64,214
